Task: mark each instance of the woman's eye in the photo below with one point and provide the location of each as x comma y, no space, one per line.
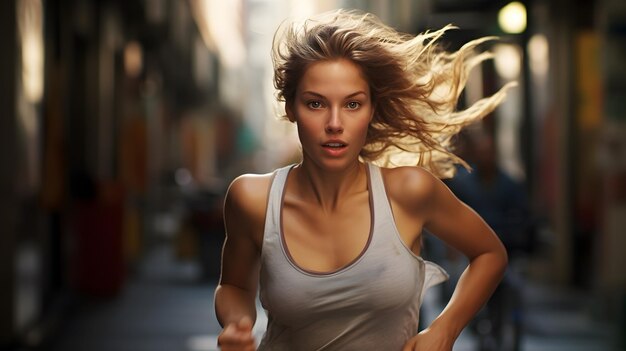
314,104
353,105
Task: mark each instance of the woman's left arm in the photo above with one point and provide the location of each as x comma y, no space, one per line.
462,228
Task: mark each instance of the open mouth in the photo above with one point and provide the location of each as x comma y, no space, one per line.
334,145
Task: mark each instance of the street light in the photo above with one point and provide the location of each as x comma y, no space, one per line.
512,18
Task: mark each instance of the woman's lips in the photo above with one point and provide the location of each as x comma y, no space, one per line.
335,148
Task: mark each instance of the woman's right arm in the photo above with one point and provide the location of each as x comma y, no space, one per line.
244,217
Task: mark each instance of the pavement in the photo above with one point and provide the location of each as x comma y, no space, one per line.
167,306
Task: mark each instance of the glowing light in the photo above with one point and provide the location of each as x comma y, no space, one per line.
30,21
508,60
512,18
538,53
223,20
133,59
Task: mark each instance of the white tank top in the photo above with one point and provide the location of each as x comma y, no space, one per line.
370,304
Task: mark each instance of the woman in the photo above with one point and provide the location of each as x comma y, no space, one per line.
333,242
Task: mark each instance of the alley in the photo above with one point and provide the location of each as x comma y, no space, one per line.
124,122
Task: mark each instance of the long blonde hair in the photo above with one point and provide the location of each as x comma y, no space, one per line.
414,83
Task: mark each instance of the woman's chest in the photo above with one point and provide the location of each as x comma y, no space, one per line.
325,241
384,278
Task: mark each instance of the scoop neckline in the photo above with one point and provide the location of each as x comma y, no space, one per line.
349,265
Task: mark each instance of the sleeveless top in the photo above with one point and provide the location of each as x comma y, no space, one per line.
370,304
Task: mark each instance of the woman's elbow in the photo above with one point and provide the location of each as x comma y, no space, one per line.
501,259
496,258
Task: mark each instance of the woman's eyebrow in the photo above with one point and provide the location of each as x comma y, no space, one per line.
323,97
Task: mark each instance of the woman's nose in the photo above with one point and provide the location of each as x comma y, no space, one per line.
334,124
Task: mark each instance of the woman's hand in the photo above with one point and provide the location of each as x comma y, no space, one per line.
429,340
237,336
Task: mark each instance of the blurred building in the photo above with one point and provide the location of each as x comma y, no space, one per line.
109,105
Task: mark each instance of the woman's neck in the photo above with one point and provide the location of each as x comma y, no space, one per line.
326,188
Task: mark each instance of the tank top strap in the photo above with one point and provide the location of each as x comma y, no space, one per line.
272,215
382,208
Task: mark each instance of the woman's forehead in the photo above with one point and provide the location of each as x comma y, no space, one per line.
339,76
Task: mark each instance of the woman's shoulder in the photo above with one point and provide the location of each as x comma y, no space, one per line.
409,184
248,193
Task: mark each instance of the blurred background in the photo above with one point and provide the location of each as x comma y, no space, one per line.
125,120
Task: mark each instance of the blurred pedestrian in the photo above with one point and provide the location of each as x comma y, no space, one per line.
502,202
333,242
497,197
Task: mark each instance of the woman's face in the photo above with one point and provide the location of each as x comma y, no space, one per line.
332,108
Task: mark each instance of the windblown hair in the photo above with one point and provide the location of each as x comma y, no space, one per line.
414,84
